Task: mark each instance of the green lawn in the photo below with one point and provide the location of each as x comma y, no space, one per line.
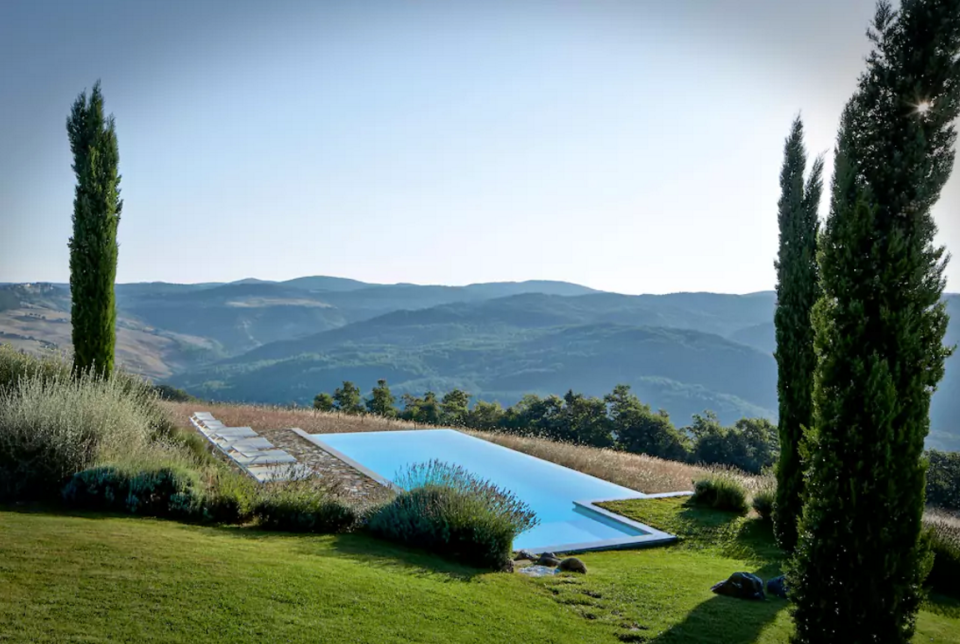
86,578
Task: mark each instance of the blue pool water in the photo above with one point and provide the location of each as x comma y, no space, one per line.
548,488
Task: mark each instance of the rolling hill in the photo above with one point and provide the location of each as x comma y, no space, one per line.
283,342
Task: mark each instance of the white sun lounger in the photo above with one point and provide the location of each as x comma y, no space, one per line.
232,433
203,415
244,444
249,450
267,473
264,457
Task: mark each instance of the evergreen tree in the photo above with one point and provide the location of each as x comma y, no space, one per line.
323,402
381,401
797,292
454,406
93,246
858,568
347,398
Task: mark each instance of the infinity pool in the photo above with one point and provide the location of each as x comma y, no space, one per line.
561,497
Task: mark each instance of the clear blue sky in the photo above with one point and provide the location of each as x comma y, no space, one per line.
629,146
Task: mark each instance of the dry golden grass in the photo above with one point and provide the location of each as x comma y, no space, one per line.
260,417
635,471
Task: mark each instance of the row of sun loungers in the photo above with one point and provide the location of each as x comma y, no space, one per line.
253,453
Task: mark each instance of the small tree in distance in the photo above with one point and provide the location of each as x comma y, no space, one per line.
347,399
93,246
381,401
323,402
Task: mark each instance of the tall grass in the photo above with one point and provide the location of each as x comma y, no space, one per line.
943,531
52,426
720,491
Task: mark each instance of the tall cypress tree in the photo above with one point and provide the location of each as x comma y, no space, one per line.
797,291
857,573
93,247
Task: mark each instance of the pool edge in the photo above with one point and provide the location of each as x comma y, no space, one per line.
366,471
652,536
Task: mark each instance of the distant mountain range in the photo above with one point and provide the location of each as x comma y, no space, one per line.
282,342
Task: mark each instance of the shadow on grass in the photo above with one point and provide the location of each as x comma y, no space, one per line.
357,546
725,619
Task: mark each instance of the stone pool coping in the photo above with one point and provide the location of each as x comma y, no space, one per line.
651,536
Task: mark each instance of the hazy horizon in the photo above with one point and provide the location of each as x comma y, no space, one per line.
629,148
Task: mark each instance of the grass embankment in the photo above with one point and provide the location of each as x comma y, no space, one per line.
97,578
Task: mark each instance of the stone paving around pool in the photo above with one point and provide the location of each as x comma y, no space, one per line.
325,465
284,454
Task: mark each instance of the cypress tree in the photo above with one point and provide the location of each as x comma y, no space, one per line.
797,291
859,563
93,246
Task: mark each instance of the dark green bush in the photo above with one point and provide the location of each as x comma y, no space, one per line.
943,479
173,394
448,511
943,536
720,491
303,506
151,490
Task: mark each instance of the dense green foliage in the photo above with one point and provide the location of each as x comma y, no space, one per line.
720,491
879,335
93,246
148,490
943,479
797,292
448,511
750,445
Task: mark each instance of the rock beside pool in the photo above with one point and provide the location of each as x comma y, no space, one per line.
506,566
572,564
525,554
777,587
741,585
537,571
548,559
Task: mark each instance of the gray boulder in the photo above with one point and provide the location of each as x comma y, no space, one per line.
525,554
548,559
572,564
742,585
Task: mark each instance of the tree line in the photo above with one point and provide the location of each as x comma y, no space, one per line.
618,420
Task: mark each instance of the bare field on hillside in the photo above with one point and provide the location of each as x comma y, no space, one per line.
41,331
635,471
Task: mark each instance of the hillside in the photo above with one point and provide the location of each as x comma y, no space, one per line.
504,348
283,342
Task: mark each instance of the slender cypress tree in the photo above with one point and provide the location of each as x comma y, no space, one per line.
93,247
797,291
859,563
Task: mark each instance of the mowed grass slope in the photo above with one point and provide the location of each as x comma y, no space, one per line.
89,578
